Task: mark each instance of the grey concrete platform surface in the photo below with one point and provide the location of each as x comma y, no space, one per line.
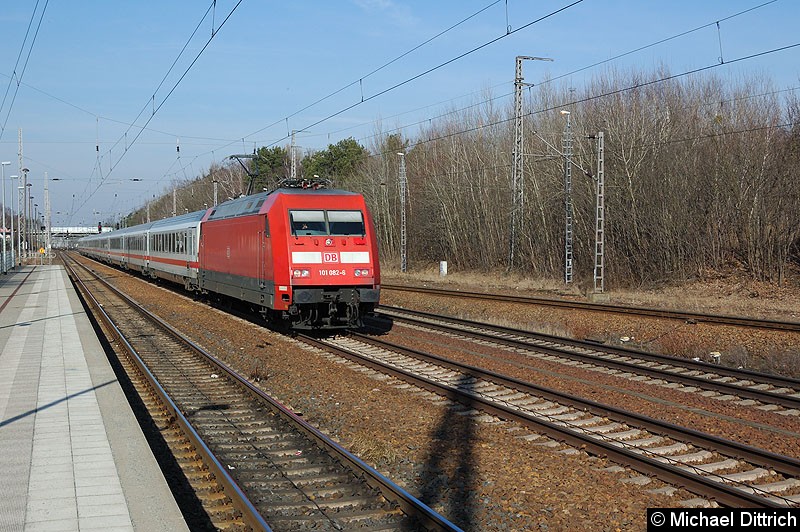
72,456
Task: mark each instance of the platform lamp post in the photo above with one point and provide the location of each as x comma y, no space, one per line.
23,215
20,221
41,232
13,234
34,228
28,214
3,173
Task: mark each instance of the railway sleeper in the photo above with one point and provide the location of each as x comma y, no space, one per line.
263,470
299,473
281,480
775,487
667,450
291,461
214,498
323,479
569,416
224,426
292,507
370,519
623,435
551,411
789,500
605,429
688,458
747,476
643,442
713,467
234,442
593,420
287,492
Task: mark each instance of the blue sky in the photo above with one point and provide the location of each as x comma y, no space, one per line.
95,65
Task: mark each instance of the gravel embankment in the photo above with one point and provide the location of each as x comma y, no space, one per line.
483,476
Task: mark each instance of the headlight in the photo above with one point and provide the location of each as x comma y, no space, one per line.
297,274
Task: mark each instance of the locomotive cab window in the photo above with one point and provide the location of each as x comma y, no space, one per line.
308,223
346,223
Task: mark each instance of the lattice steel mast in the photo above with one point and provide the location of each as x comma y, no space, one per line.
403,189
566,149
517,183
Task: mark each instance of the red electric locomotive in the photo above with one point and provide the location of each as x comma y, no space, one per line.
306,256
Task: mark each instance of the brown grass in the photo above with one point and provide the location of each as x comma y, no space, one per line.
730,292
374,451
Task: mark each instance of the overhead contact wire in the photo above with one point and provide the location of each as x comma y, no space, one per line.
175,86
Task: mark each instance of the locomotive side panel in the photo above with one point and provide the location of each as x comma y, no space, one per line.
236,259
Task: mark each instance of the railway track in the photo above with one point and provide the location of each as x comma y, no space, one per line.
730,473
691,317
771,392
278,472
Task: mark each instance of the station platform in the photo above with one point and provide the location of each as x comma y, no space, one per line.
72,455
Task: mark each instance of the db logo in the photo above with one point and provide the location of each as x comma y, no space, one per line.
330,257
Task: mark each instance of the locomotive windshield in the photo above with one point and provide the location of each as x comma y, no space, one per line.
345,223
337,223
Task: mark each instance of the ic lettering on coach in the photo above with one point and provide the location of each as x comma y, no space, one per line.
330,257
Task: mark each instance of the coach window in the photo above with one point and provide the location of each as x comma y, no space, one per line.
346,222
308,223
